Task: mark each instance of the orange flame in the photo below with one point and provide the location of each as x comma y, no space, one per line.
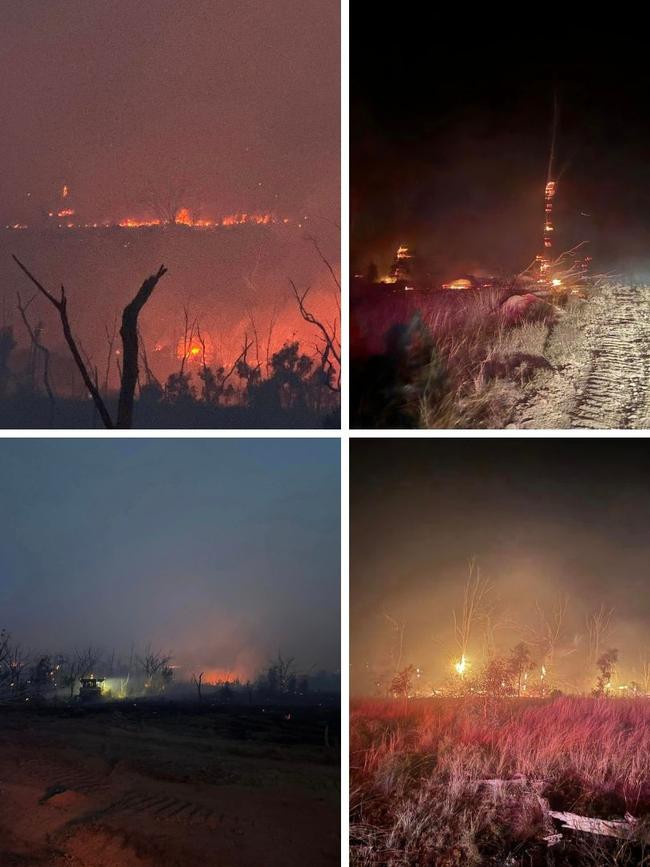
193,351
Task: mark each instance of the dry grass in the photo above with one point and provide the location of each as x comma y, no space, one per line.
470,364
417,795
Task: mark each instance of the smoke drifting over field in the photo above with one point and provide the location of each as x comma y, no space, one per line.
545,519
221,552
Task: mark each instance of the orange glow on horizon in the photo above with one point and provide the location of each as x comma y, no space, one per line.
220,675
183,218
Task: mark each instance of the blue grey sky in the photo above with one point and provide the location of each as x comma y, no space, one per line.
221,550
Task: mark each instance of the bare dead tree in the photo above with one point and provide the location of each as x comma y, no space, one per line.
156,667
493,621
546,632
14,663
256,339
330,350
645,672
81,663
197,681
151,377
474,608
598,627
269,337
110,337
87,660
325,261
37,347
61,305
240,358
188,337
396,649
4,645
129,335
166,203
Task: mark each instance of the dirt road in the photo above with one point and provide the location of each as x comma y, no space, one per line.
601,365
117,791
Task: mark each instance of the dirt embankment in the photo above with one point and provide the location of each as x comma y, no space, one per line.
114,790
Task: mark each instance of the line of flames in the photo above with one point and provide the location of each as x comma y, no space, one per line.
183,218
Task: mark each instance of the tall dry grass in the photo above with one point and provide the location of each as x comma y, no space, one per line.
418,794
471,357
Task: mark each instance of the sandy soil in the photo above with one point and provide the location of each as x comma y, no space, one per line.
117,790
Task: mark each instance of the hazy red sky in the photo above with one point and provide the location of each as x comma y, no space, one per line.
237,102
111,97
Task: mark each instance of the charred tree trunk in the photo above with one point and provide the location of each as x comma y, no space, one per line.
130,343
130,346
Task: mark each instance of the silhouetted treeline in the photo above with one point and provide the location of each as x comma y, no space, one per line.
294,390
43,677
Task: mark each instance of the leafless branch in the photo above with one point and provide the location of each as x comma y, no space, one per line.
61,305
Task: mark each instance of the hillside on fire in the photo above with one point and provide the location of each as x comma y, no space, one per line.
499,229
170,681
500,667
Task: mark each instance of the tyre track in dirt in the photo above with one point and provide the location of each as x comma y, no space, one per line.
614,393
601,380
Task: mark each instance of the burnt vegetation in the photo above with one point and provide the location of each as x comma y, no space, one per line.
295,385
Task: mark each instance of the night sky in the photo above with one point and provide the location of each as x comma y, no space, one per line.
221,551
450,134
543,517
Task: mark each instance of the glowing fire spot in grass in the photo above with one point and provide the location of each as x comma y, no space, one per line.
461,666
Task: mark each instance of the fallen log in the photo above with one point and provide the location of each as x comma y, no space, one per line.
622,829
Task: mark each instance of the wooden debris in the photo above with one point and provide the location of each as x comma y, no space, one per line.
622,829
